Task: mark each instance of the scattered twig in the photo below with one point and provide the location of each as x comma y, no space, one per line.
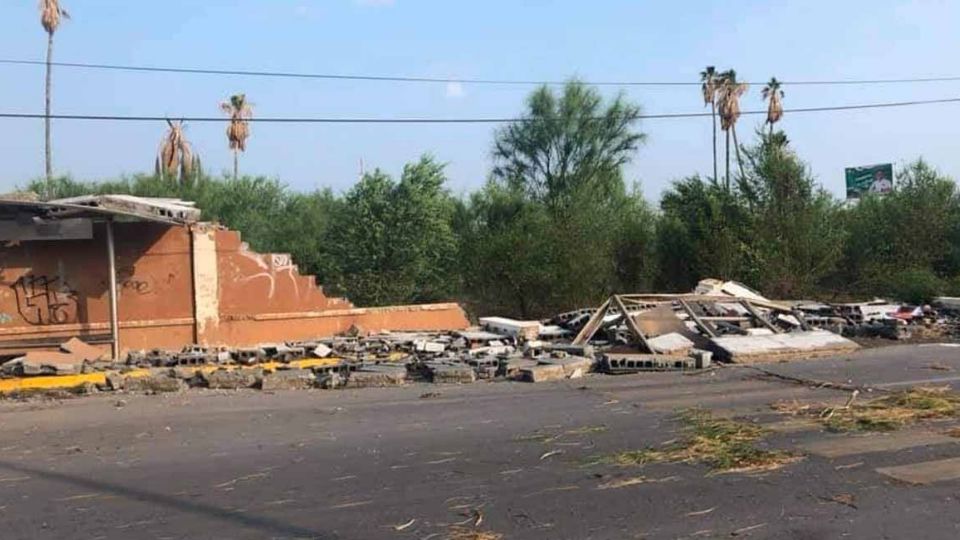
550,454
405,526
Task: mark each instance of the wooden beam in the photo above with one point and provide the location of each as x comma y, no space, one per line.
589,329
753,311
708,329
632,324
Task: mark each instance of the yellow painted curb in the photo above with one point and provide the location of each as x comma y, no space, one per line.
21,384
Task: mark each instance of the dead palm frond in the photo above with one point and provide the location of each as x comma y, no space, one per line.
51,14
176,154
773,95
708,86
240,112
729,93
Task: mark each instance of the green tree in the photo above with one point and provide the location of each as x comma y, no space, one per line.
393,241
555,227
566,141
794,240
900,237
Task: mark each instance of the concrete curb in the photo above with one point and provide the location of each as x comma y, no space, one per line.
66,382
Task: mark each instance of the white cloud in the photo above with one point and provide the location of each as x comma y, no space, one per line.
455,90
375,3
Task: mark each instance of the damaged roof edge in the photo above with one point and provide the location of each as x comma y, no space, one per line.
129,207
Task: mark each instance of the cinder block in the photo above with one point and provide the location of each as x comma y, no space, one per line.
453,374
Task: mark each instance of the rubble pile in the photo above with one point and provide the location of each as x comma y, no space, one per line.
718,321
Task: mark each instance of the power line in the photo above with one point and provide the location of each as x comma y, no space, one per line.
308,120
442,80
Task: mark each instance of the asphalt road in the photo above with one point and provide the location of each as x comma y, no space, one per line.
413,462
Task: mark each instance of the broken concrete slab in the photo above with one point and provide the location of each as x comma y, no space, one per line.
376,378
231,379
322,351
453,374
287,379
511,327
155,383
184,372
571,364
81,349
511,367
672,343
542,373
746,349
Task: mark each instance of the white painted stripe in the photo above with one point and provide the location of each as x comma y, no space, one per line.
926,472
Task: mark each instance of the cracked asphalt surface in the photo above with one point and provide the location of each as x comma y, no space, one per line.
417,461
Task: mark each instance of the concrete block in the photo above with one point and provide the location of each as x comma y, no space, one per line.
511,367
543,372
223,379
453,374
429,346
330,381
701,358
511,327
376,379
322,351
570,364
287,379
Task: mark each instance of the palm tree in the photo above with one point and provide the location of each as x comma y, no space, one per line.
51,15
729,93
708,78
239,129
176,156
773,95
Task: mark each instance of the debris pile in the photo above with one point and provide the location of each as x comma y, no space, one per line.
720,321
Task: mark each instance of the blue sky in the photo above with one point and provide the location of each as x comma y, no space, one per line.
529,39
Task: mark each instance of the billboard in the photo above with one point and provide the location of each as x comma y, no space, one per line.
869,179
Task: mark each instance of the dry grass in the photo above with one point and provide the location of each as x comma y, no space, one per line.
723,444
463,533
886,413
546,437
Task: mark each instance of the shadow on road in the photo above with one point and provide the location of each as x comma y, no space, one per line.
246,520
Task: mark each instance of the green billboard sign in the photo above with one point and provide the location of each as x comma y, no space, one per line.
869,179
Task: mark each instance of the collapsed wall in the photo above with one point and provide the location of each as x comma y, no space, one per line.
178,285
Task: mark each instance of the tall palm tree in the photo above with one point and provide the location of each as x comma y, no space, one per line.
238,130
708,79
773,95
175,157
51,15
729,95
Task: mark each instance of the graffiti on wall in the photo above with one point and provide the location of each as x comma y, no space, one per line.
128,281
44,300
279,263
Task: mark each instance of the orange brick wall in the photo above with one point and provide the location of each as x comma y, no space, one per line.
50,291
